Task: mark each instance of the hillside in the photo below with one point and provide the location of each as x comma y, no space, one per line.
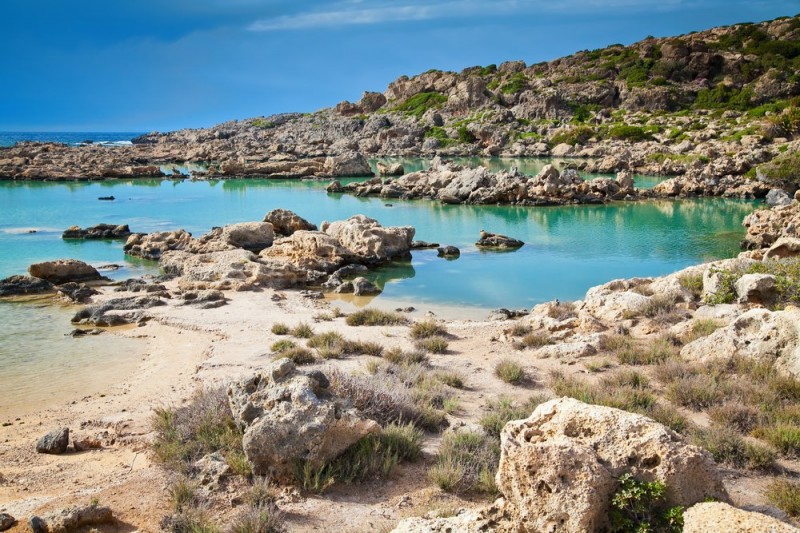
680,101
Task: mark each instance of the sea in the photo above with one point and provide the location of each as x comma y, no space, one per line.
10,138
567,250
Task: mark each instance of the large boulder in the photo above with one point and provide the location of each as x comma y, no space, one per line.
71,519
285,222
498,242
767,336
232,269
756,288
783,248
20,285
311,250
559,468
717,516
251,236
152,245
778,197
615,300
289,417
55,442
64,270
350,164
368,240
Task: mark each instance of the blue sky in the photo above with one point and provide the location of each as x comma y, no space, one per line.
144,65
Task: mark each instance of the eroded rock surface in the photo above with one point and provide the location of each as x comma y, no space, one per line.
64,270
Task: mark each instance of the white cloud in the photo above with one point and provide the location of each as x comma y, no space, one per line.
355,12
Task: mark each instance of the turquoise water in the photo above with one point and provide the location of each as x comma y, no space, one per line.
568,250
10,138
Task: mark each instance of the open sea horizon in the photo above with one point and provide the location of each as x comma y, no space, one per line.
10,138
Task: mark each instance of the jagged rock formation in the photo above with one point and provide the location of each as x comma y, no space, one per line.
596,104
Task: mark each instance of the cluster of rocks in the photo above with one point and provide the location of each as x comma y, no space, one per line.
250,254
56,442
100,231
67,276
454,184
767,227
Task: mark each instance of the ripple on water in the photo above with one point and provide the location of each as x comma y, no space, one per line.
40,365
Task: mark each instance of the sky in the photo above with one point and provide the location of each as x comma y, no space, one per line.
160,65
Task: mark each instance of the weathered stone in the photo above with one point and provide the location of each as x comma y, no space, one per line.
152,245
86,443
717,516
21,285
364,287
352,164
369,241
71,519
756,288
285,222
783,248
615,300
77,292
251,236
55,442
204,299
288,416
464,522
558,468
390,169
766,336
64,270
778,197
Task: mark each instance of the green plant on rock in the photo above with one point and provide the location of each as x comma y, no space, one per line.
418,104
515,84
638,506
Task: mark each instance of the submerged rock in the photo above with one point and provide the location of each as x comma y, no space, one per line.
493,240
450,252
64,270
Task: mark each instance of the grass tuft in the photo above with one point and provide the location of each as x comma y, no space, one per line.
467,462
280,329
509,371
426,329
375,317
302,331
785,495
432,344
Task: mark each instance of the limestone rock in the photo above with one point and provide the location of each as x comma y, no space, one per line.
465,522
756,288
369,241
783,248
54,443
153,245
351,165
63,271
313,250
289,416
718,516
251,236
771,337
233,269
558,468
364,287
71,519
778,197
77,292
20,285
285,222
390,169
612,301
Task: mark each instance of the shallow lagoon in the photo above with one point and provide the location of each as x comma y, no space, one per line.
568,250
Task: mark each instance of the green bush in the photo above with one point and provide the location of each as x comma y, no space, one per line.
576,135
724,97
783,171
629,133
418,104
467,462
638,506
465,136
515,84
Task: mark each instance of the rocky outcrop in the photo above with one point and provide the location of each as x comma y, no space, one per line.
285,222
559,467
370,242
767,336
350,164
612,301
251,236
756,289
289,416
152,245
55,442
116,311
64,270
454,184
450,252
766,226
22,285
100,231
72,519
390,169
235,269
783,248
310,250
464,522
719,516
